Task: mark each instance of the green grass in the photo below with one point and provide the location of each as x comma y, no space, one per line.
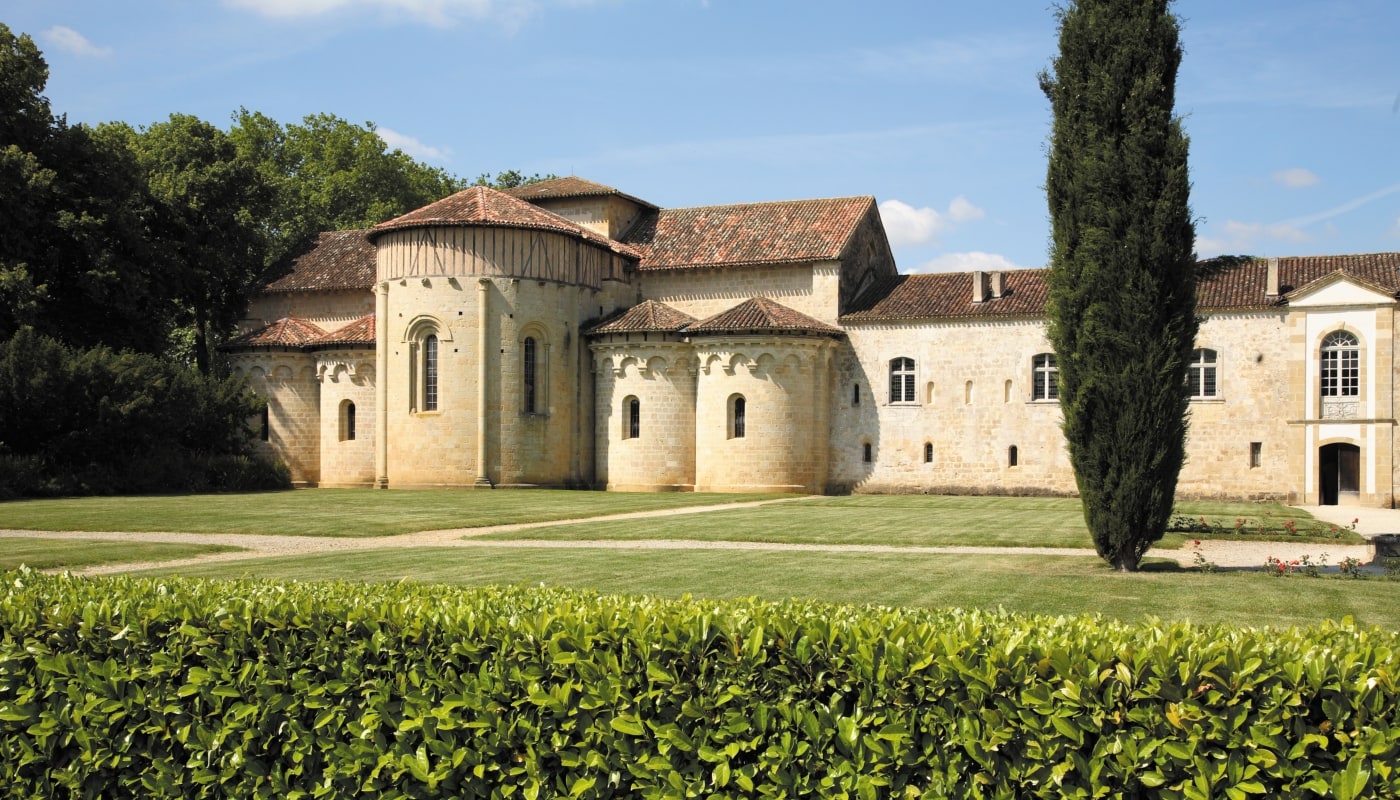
77,553
908,521
336,512
1026,583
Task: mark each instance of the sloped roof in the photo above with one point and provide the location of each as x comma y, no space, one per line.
337,260
759,314
792,231
948,294
359,332
647,316
571,186
484,206
1239,285
1245,285
285,332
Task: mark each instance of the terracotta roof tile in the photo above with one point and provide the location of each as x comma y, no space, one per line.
285,332
568,187
647,316
1226,286
761,314
794,231
948,294
337,260
484,206
361,331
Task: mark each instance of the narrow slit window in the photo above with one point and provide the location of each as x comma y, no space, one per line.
868,453
634,418
430,373
527,369
1256,455
739,423
347,422
1013,456
928,452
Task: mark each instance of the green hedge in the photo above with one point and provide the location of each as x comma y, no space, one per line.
126,688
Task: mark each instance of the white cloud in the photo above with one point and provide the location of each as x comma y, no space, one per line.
73,43
967,262
1295,178
906,225
440,13
398,141
1240,238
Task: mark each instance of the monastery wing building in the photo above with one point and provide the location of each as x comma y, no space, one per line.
567,334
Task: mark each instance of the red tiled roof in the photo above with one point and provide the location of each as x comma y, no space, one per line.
794,231
484,206
568,187
361,331
948,294
1242,285
285,332
647,316
338,260
761,314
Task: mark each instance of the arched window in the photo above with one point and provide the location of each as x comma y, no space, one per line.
528,367
634,418
1013,456
1341,365
738,410
430,372
347,421
1045,378
1200,374
902,380
928,452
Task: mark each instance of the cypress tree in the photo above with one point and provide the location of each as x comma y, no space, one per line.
1122,282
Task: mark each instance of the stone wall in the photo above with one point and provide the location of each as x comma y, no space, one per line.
347,455
660,373
288,381
702,293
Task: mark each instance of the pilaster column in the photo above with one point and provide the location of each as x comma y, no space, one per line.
483,351
381,385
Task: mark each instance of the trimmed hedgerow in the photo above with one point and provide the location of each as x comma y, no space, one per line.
125,687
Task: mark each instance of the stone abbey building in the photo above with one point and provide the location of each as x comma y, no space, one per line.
567,334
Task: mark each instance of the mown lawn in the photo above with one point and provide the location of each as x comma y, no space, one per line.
1022,583
77,553
336,512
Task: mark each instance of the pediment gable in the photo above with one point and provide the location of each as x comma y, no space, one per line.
1339,289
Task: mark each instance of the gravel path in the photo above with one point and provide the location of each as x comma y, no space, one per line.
1222,553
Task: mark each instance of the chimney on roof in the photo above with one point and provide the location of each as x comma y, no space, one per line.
1271,287
986,286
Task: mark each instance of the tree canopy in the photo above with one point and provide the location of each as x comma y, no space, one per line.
1122,281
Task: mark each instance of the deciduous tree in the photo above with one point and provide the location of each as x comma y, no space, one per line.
1122,275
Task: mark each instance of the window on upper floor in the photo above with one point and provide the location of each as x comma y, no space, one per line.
1200,374
634,418
529,365
347,421
1045,377
1341,365
902,380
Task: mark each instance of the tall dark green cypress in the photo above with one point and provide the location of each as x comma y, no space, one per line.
1122,280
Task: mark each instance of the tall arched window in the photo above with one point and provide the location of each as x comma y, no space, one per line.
529,364
1341,365
1200,374
902,380
634,418
430,372
928,452
738,410
1045,377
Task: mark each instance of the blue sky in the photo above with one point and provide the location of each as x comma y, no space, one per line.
933,107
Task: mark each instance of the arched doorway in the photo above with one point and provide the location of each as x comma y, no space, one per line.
1340,474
